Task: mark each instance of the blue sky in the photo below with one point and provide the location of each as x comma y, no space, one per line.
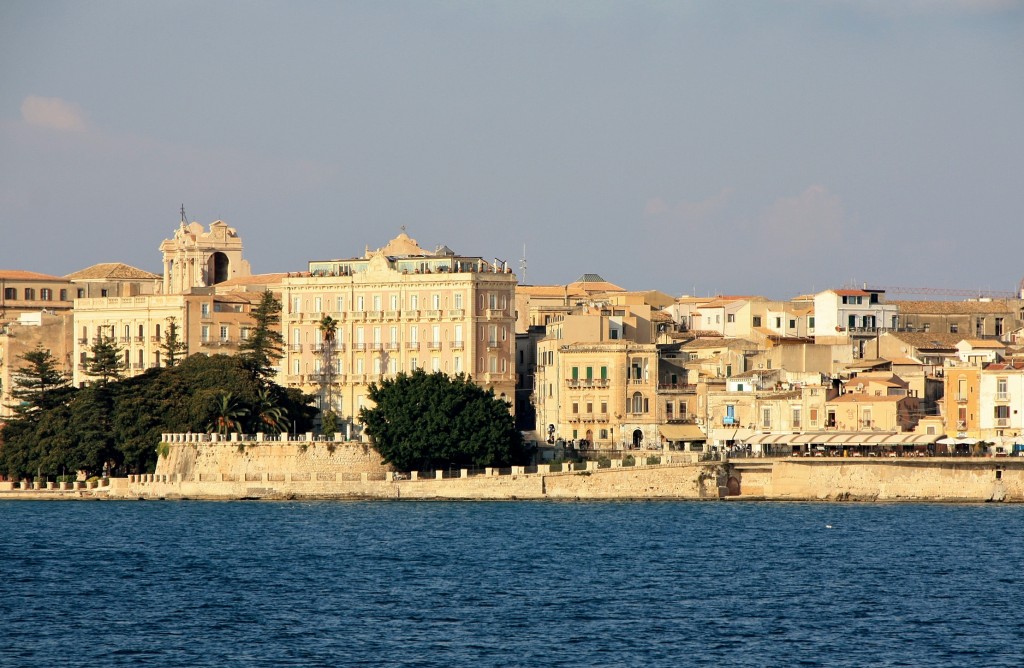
770,147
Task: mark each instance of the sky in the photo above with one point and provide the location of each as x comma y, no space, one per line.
771,147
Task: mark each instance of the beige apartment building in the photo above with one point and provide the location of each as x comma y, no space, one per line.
29,291
397,309
597,377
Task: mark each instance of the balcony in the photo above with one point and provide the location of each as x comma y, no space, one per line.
359,347
1002,422
433,314
84,340
671,419
587,382
677,387
494,314
1002,396
140,339
392,315
457,345
374,315
412,345
434,345
413,314
456,313
295,347
393,345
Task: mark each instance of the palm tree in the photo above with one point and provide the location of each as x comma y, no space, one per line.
267,415
329,329
229,413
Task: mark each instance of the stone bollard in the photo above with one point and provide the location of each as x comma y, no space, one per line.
438,475
543,468
488,471
591,466
463,473
414,475
518,470
51,485
65,485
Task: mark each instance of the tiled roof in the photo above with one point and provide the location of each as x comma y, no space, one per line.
591,287
856,398
956,307
542,290
851,293
112,271
983,343
18,275
929,340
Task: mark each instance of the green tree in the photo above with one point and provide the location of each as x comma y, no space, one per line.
228,414
265,345
106,360
423,421
328,329
172,347
267,414
38,384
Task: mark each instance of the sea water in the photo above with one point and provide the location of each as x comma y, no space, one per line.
510,584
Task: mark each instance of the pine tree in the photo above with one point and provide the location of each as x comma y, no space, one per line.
173,348
39,385
106,361
265,345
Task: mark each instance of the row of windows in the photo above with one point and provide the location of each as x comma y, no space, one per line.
492,334
111,331
225,332
390,364
45,294
489,300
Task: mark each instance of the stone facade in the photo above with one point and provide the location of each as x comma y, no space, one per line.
397,309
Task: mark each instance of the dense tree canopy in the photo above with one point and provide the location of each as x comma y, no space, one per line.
424,421
117,425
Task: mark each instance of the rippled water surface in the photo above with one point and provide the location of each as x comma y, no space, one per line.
510,584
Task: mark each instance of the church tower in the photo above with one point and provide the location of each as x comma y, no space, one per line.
196,258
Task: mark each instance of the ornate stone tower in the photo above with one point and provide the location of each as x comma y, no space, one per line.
195,258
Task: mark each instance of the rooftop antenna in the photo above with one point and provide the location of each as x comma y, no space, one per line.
184,219
522,265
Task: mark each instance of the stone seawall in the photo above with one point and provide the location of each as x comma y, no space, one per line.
318,469
901,479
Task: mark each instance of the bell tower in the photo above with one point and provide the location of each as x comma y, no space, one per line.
197,258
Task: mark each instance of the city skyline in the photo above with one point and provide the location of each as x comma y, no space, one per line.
693,148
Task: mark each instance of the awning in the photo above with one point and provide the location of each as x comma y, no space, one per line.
682,432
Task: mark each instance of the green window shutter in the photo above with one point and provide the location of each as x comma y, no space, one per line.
590,373
575,373
604,373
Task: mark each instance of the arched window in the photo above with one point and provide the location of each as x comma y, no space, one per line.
638,403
